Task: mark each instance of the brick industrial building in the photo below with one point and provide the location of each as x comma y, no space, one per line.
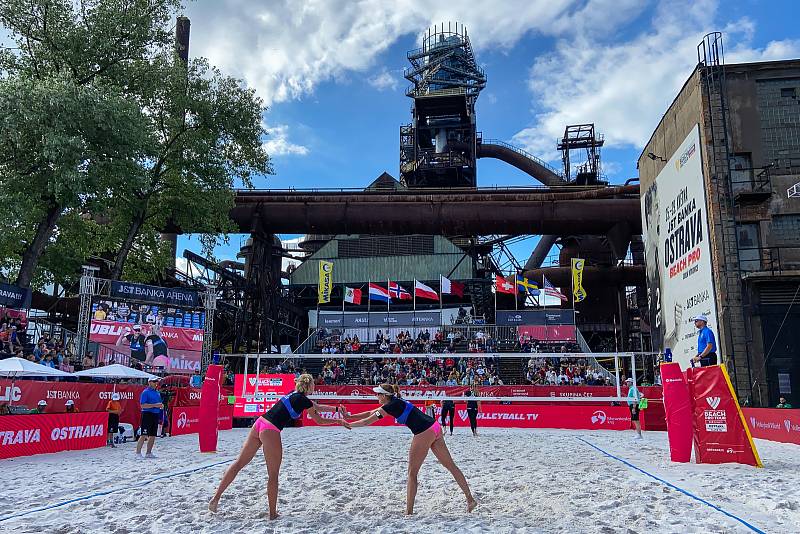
748,118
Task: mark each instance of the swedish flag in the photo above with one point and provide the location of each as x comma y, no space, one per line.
527,286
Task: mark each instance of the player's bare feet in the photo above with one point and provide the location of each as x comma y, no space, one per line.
213,504
274,516
471,504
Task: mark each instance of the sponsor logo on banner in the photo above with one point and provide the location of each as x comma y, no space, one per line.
715,420
21,436
10,394
600,416
182,420
788,425
60,394
713,402
123,395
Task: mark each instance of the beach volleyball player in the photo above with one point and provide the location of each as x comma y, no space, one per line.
428,435
266,435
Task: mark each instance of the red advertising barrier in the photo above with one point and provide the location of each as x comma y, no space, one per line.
87,397
189,396
651,392
678,408
720,432
261,391
774,424
209,409
26,435
519,416
559,332
186,419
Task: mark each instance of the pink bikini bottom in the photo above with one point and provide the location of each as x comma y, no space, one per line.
262,424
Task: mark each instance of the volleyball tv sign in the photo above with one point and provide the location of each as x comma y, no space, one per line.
255,394
680,284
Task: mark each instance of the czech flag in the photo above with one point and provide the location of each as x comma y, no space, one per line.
396,291
424,292
377,292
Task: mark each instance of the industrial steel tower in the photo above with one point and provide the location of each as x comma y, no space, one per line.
438,148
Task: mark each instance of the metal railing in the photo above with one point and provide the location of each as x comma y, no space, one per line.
525,153
769,259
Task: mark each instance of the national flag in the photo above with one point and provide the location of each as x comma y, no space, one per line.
504,286
377,292
396,291
352,295
552,291
450,287
423,291
527,286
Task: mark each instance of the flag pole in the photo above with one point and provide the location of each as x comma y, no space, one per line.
414,313
441,299
516,293
369,282
388,301
344,296
544,293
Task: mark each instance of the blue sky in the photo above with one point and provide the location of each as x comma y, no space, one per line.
331,73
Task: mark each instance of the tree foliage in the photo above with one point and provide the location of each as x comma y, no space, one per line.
108,138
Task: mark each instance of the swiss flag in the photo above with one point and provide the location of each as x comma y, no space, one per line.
352,295
449,287
504,286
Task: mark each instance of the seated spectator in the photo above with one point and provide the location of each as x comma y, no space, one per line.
88,361
783,403
70,407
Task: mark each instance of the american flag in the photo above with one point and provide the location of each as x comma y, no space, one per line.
552,291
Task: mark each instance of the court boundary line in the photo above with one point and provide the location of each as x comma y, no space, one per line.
113,490
673,486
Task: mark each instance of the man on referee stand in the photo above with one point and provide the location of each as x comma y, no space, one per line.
152,405
706,343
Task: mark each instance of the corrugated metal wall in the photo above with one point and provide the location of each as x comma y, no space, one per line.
397,268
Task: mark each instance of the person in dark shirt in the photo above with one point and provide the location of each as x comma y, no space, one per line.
448,408
428,435
472,409
155,346
266,435
136,340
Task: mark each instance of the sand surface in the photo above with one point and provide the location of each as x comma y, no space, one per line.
333,480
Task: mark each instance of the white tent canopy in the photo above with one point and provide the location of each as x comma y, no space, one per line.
19,367
115,371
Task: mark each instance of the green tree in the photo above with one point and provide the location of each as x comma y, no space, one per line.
62,145
194,136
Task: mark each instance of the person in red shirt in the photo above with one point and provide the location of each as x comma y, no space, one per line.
114,409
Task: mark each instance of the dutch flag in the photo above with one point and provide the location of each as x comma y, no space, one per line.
377,292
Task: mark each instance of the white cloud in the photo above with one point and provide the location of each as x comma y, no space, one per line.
278,144
625,87
384,80
285,48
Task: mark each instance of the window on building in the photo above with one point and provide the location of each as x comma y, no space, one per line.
377,246
785,230
780,122
749,251
741,172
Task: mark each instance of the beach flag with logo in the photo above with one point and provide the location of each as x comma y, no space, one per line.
325,287
504,286
352,295
578,293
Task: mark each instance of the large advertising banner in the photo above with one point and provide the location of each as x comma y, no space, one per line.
518,416
255,394
87,397
153,335
26,435
774,424
680,283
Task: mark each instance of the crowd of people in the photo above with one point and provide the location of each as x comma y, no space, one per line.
434,370
563,372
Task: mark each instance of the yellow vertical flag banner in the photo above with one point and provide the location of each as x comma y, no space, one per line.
325,282
578,293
